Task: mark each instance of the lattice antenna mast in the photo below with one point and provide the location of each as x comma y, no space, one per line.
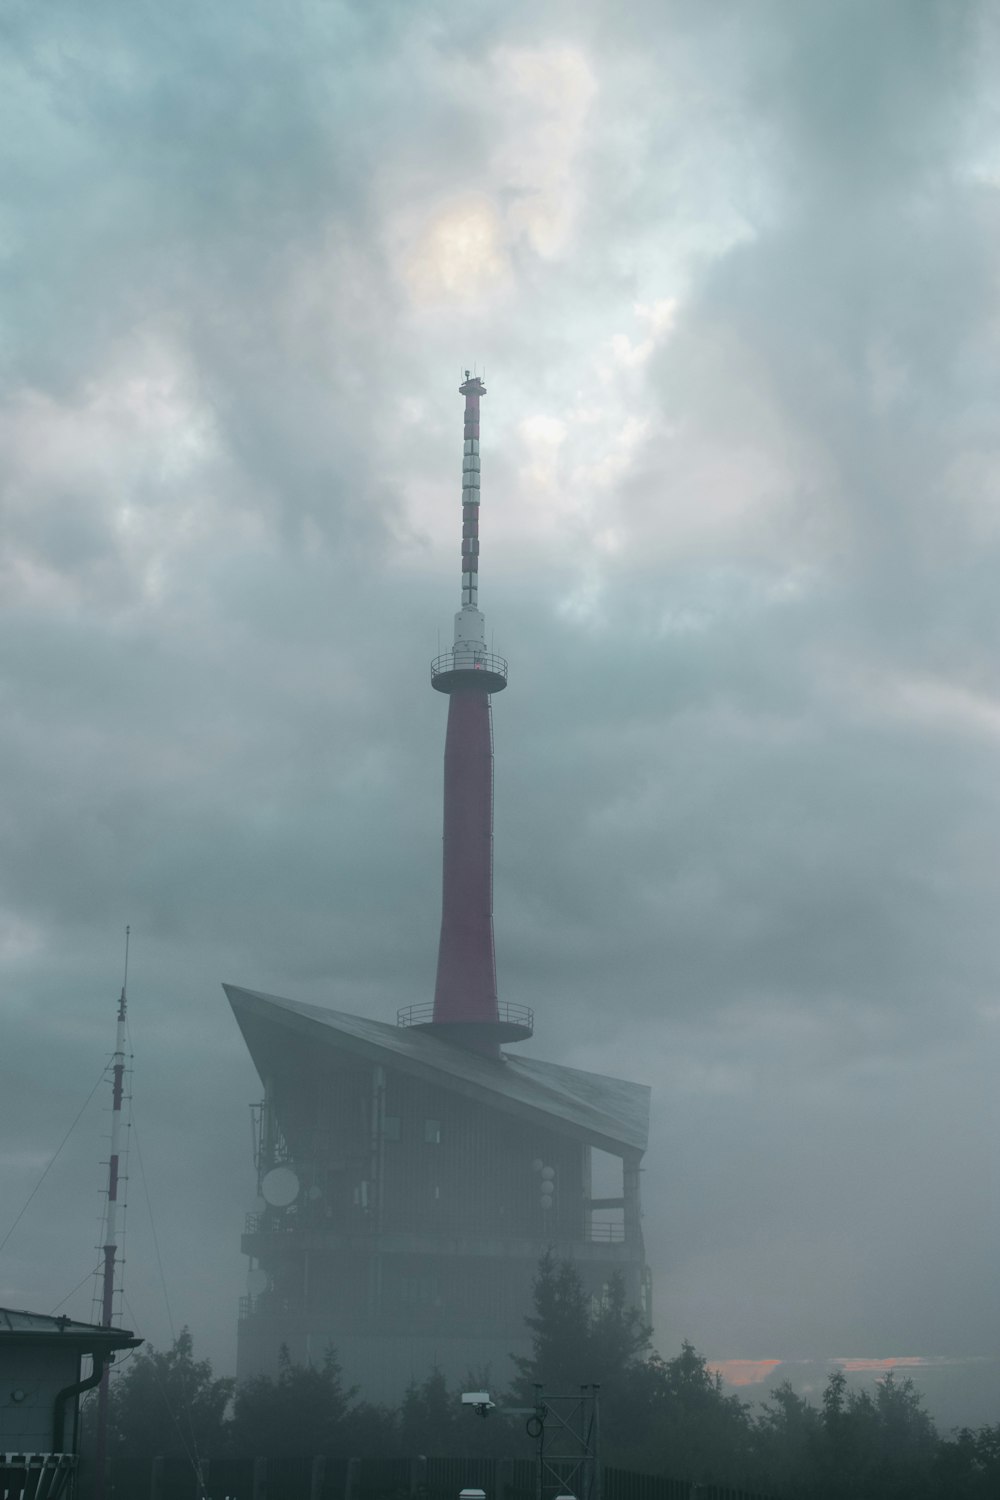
568,1432
109,1248
472,389
469,652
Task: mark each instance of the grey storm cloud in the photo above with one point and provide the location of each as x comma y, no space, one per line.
731,273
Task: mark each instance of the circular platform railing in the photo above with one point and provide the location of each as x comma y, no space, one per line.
507,1014
460,668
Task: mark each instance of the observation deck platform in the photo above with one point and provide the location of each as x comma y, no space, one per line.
514,1023
468,670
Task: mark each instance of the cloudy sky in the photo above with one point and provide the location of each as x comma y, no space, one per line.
731,271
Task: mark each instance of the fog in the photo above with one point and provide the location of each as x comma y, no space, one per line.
730,271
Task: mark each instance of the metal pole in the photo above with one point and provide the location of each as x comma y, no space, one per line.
596,1492
110,1246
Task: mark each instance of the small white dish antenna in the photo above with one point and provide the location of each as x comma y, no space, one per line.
280,1187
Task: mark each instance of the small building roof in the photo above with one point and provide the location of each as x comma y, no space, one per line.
29,1327
609,1113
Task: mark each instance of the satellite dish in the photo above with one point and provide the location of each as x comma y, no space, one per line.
280,1187
257,1282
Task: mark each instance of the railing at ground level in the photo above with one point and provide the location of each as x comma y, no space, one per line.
35,1476
327,1477
624,1484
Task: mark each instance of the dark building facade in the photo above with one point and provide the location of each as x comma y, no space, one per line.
409,1187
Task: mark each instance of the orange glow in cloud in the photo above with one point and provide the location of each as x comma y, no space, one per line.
744,1371
900,1362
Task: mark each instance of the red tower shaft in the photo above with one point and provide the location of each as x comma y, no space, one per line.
466,1010
466,988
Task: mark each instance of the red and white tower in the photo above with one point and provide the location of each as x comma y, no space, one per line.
466,1009
109,1250
426,1159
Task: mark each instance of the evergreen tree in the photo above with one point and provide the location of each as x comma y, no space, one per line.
302,1410
577,1340
161,1402
618,1337
560,1333
786,1440
369,1429
691,1429
967,1466
429,1418
879,1446
574,1341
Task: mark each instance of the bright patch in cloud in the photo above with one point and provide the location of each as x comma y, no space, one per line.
539,100
105,475
545,95
543,438
459,254
659,320
894,1362
745,1371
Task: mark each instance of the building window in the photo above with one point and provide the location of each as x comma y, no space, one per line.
432,1132
391,1128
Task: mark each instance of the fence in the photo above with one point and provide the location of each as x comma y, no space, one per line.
325,1477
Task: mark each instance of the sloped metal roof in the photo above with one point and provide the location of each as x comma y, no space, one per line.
44,1326
609,1113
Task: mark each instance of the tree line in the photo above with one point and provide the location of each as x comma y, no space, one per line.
659,1416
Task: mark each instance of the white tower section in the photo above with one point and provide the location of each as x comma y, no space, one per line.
469,654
